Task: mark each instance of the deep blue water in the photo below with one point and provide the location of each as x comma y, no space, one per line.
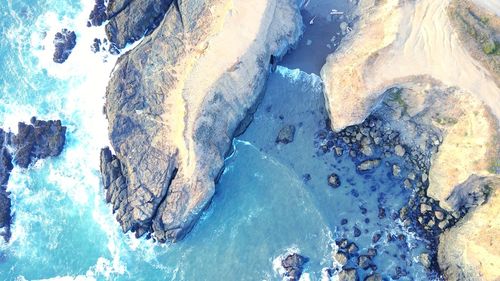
262,207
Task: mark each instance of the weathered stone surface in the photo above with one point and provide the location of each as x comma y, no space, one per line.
38,140
293,265
64,42
341,258
130,20
374,277
175,101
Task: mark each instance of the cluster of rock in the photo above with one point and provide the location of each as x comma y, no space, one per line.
348,261
420,127
37,140
64,42
176,100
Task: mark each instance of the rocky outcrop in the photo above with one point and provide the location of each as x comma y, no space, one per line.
64,42
293,266
37,140
98,14
130,20
175,101
385,49
5,169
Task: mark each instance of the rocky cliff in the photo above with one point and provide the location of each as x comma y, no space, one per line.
392,43
176,100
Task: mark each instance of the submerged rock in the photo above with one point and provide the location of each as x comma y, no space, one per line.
174,103
334,180
64,42
293,265
286,134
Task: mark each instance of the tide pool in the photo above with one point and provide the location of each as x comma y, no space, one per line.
262,209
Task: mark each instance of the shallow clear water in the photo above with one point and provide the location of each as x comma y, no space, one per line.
262,208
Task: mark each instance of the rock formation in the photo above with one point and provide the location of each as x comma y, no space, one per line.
64,42
130,20
38,140
386,49
176,100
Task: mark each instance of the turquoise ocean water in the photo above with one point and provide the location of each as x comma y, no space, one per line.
262,209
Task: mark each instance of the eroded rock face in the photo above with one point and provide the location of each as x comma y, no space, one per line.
175,101
130,20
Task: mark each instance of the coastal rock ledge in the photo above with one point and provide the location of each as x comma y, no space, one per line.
177,99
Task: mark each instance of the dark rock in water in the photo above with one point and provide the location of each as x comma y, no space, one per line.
364,261
399,273
343,221
286,134
352,248
333,180
130,20
342,243
96,46
368,165
374,277
306,177
293,265
357,232
376,237
341,258
381,213
38,140
348,274
98,15
64,43
5,169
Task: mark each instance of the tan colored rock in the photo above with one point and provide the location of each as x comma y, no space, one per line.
470,250
392,43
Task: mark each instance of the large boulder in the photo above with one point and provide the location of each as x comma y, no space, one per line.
175,101
38,140
64,42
